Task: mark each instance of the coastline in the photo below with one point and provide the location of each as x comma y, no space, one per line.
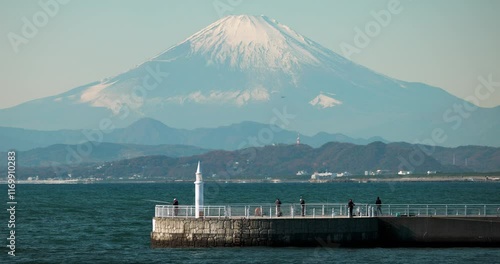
427,179
354,179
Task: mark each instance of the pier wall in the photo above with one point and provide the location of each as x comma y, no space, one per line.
177,232
439,231
363,231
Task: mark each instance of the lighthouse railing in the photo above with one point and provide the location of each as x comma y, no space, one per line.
189,211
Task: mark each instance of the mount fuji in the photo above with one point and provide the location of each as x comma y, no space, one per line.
253,68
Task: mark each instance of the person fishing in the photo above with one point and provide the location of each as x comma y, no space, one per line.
278,207
350,205
378,203
176,206
302,205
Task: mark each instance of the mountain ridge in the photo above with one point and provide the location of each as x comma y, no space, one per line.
148,131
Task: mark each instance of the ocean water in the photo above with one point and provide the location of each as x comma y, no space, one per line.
111,223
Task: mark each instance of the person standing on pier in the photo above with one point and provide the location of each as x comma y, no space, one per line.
350,205
378,202
176,206
278,207
302,205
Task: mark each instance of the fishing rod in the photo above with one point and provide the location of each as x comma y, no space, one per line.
157,201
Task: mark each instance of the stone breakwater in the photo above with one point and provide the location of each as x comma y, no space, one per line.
175,232
374,231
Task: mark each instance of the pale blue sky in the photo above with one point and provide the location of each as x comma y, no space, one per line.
445,43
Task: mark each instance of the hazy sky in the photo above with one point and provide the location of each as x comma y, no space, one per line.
445,43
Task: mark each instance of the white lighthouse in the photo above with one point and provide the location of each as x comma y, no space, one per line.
198,192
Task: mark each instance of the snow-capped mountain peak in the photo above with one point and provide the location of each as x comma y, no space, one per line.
244,42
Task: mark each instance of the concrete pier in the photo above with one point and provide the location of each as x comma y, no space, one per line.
331,232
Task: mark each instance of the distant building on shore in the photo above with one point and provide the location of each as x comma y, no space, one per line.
321,175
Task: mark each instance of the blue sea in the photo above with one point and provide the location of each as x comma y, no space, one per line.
111,223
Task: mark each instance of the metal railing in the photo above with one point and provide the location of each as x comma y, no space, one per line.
328,210
441,209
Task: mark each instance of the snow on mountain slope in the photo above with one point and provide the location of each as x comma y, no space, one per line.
239,97
324,101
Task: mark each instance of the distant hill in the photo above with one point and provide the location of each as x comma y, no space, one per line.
479,158
149,131
284,161
93,152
